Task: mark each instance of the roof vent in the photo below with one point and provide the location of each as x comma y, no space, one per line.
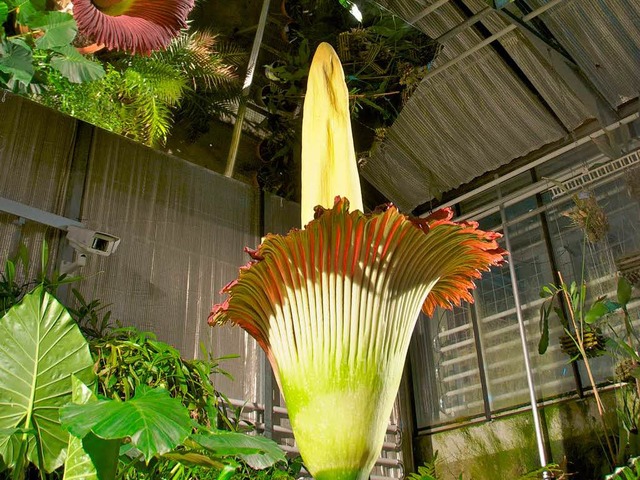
590,176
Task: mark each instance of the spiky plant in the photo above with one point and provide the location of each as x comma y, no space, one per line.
149,91
210,65
334,304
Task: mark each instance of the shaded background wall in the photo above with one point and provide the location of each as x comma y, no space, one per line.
183,228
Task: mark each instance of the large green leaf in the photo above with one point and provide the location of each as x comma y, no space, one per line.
258,452
75,67
59,29
16,60
27,8
623,291
40,348
90,458
155,422
596,312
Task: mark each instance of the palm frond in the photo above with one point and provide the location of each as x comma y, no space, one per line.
200,57
166,82
147,117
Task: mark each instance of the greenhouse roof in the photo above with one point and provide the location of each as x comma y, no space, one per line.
509,85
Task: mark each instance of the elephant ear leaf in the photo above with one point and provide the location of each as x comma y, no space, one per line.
155,422
89,458
258,452
40,348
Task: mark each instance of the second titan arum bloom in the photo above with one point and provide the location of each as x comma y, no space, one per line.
136,26
333,305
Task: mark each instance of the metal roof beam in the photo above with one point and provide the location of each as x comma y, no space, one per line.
423,13
464,25
487,41
572,75
539,161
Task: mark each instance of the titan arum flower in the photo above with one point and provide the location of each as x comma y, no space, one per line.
333,305
136,26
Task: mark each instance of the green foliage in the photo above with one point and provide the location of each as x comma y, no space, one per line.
158,422
92,317
581,319
40,348
257,452
538,472
289,470
135,96
139,97
153,421
90,455
95,102
127,358
36,42
631,471
427,471
12,290
158,426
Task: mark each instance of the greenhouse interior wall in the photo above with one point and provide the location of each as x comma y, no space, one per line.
471,394
183,230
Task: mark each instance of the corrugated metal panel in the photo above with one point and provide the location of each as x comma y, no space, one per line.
540,70
35,146
182,228
603,37
457,123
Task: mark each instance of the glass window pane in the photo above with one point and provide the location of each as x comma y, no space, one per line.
445,369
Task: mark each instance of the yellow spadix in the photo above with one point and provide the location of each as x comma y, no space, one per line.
329,166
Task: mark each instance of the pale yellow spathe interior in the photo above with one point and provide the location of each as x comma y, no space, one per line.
329,164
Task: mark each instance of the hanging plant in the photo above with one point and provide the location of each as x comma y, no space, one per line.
589,216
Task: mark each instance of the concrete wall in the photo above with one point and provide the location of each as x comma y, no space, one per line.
506,448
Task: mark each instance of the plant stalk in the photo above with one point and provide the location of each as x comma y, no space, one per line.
596,394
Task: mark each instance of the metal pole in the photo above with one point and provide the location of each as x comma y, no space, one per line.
248,80
525,349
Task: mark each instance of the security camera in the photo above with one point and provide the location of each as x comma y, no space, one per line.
89,241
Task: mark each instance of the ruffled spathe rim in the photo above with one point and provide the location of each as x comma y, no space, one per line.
143,27
345,244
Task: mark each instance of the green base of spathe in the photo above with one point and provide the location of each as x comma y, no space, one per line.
340,420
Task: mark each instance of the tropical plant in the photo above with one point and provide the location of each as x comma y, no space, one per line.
631,471
426,471
624,347
35,42
157,425
193,80
44,358
334,305
126,359
33,388
41,347
579,325
92,317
